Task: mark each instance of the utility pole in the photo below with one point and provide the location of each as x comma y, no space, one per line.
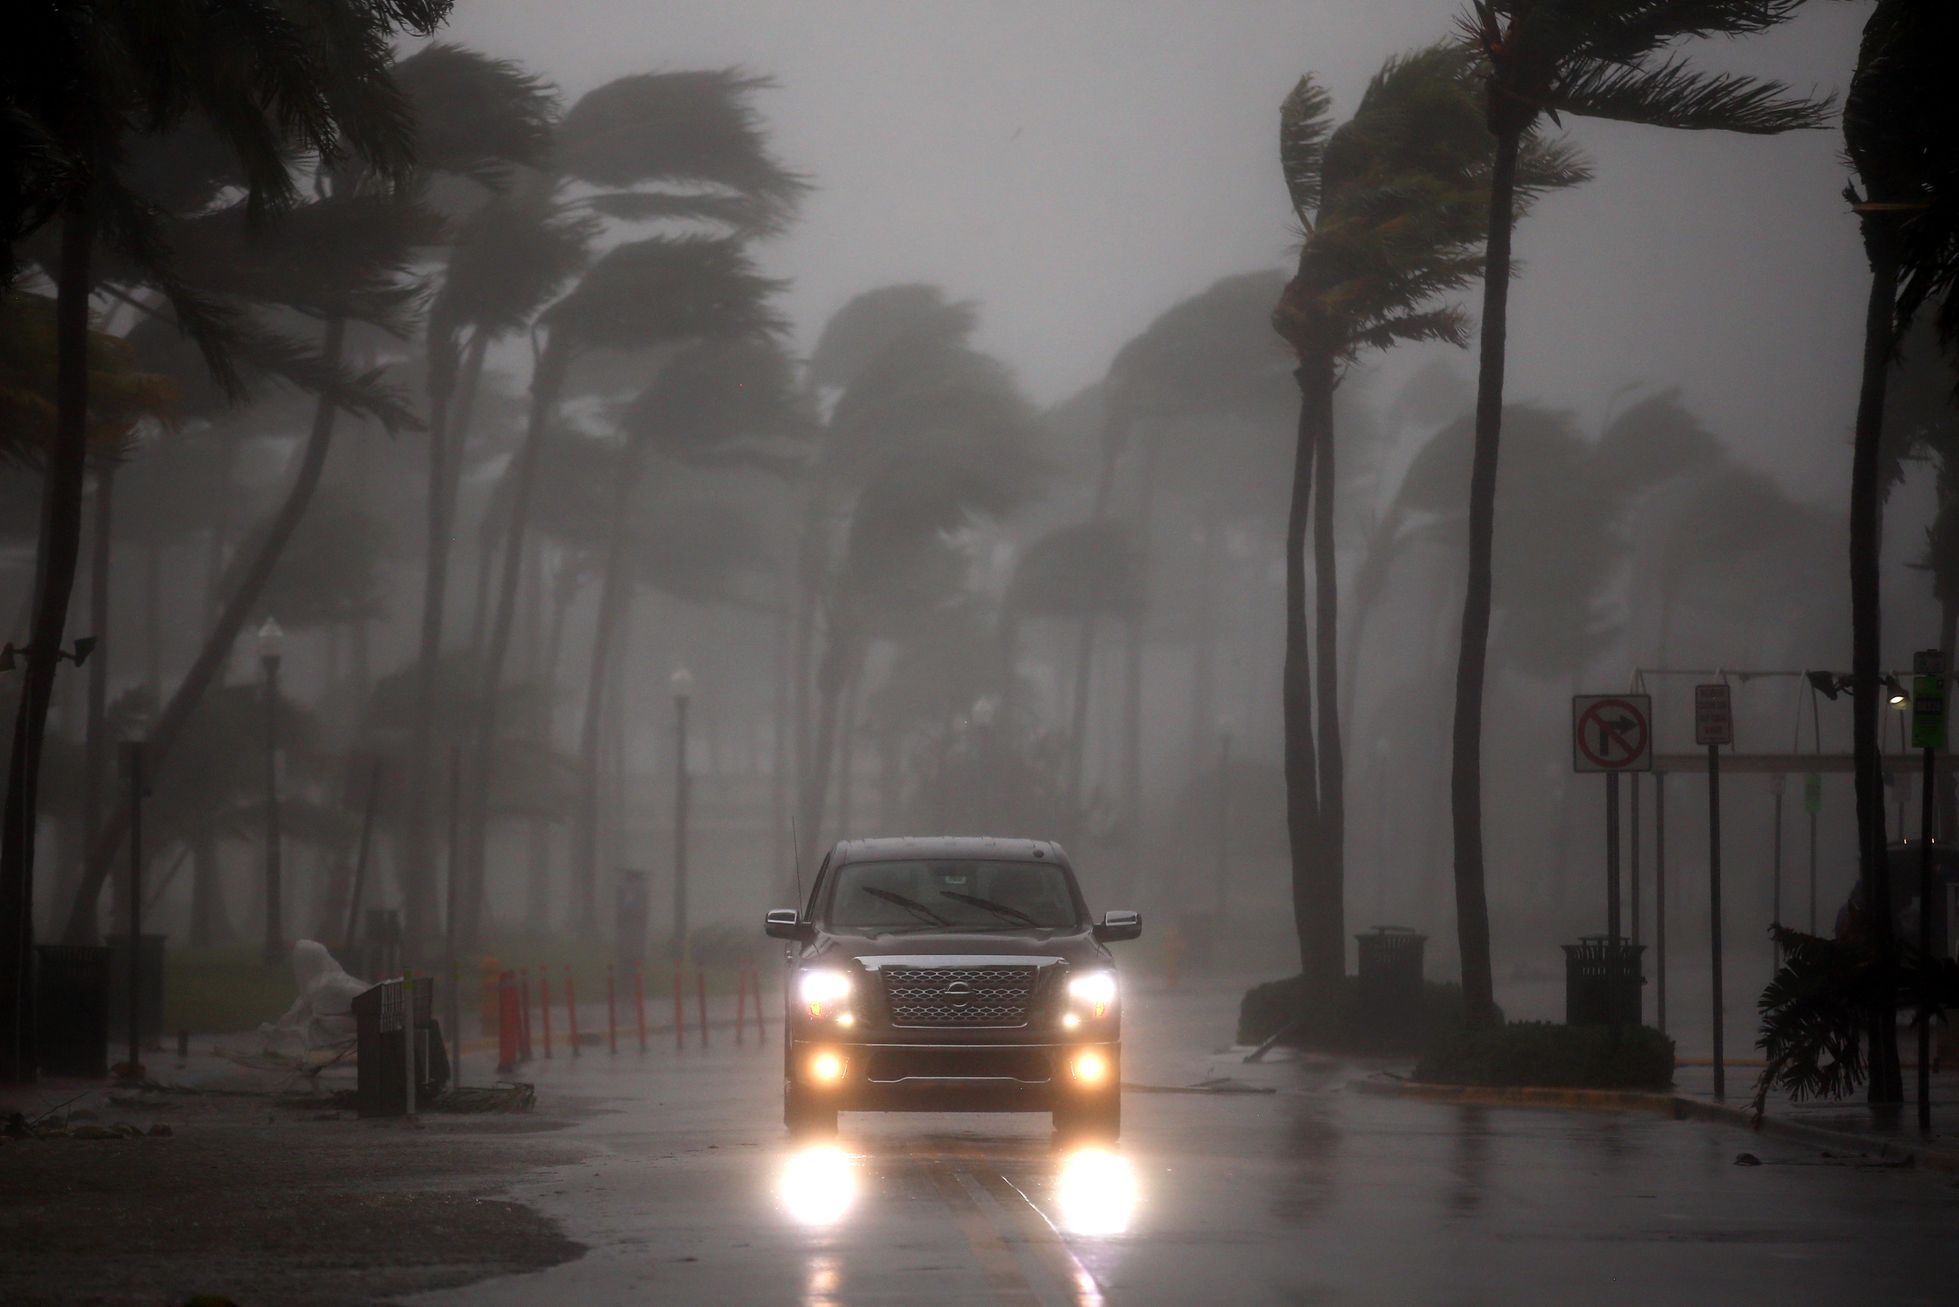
271,649
1714,726
682,683
1927,733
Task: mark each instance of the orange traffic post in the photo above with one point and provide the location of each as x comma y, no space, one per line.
571,1009
741,1004
679,1006
611,1012
544,1006
506,1023
639,1003
700,994
524,1014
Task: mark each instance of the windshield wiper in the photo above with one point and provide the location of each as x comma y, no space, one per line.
910,905
1000,909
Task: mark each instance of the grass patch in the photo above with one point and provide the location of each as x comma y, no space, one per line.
1542,1053
1345,1024
219,991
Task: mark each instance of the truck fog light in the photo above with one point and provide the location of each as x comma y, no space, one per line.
846,1018
826,1068
1090,1067
1069,1021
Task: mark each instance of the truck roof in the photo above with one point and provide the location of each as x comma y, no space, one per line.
903,847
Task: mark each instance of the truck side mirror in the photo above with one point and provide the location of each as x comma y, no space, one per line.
1118,924
783,923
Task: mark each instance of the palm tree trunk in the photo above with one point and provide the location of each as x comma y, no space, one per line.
1320,948
211,658
1326,632
1466,770
1204,653
55,557
614,592
1866,530
1085,648
1136,635
833,675
208,924
153,617
847,754
546,383
95,765
444,465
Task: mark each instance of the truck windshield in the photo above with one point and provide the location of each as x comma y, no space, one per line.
952,895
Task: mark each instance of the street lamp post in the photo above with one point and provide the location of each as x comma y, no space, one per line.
272,648
682,683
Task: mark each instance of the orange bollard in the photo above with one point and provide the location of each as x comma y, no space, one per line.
544,1006
741,1005
571,1009
611,1012
679,1007
700,993
506,1023
639,1002
524,1014
761,1021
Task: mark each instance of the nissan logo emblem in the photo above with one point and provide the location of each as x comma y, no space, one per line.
958,993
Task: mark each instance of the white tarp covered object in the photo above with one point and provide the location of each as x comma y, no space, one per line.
321,1019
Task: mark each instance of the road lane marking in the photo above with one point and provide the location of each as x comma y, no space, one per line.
998,1264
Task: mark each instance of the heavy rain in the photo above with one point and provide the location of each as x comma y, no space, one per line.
1042,651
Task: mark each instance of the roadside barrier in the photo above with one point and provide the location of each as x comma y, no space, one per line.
507,1023
571,1009
611,1012
639,1002
544,1006
700,996
524,1014
679,1006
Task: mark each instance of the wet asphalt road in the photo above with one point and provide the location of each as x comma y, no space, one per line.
1307,1194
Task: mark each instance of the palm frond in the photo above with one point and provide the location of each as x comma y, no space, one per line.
1629,31
476,116
1305,121
1677,96
668,289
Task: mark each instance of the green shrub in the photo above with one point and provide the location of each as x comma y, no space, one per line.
1544,1053
1344,1025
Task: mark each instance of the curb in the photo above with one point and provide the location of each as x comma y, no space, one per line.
1681,1107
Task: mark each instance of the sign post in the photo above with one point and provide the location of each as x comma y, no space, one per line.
1927,733
1714,726
1612,733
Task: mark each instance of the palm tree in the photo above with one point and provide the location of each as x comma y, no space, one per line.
1587,59
1387,206
79,75
931,436
1899,125
713,404
685,147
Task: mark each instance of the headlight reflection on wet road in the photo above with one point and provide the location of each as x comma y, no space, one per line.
818,1186
1095,1193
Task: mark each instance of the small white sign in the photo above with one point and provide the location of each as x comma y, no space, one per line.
1714,718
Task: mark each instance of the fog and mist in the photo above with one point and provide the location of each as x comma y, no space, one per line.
896,555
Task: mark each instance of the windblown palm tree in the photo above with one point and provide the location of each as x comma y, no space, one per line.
77,77
1543,59
1901,129
1389,208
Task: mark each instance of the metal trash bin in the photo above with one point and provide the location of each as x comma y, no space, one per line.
381,1061
1602,982
1390,961
71,1009
149,1000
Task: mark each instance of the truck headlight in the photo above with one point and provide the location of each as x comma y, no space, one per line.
825,992
1093,993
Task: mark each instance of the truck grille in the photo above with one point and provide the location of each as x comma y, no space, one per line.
957,996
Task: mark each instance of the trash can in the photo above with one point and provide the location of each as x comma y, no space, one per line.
381,1062
1602,980
149,1000
71,1011
1391,972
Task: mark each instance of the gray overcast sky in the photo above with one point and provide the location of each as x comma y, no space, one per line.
1078,165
